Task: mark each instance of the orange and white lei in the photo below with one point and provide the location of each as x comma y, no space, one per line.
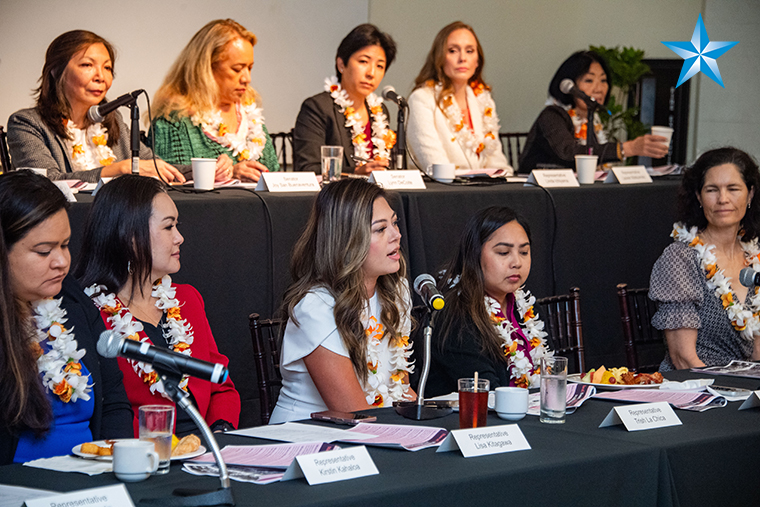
60,366
246,144
580,127
383,138
177,331
746,320
486,144
88,147
525,371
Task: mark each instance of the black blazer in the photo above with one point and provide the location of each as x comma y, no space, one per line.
112,416
320,123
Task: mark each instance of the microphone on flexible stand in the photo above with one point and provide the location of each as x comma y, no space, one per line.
424,285
389,93
568,86
98,113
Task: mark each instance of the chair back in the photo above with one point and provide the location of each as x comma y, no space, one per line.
281,142
513,144
5,155
636,312
266,337
562,320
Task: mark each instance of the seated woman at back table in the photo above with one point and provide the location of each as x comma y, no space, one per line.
452,116
57,391
346,345
206,107
58,136
708,317
348,113
489,324
129,248
559,133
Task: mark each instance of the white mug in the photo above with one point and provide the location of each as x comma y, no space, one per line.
511,403
444,172
134,460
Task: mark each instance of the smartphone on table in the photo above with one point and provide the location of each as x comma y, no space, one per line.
337,417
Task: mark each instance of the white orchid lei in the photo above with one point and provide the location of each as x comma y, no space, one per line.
746,320
383,138
88,147
177,331
248,145
385,384
60,366
486,144
525,370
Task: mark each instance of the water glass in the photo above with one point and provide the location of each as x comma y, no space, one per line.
332,163
473,402
553,389
156,425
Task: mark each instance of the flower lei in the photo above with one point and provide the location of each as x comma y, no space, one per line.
377,391
486,144
525,370
178,332
245,146
88,147
746,320
580,126
60,366
383,138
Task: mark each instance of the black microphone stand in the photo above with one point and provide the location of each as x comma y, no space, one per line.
135,137
591,142
401,137
421,410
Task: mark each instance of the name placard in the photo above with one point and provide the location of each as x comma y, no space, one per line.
398,180
752,402
102,181
332,466
642,416
552,178
626,175
485,441
288,182
107,496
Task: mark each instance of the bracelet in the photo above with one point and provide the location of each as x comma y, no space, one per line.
620,151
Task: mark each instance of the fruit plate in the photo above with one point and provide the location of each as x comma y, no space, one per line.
77,451
576,377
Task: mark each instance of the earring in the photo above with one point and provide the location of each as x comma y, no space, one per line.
129,267
749,204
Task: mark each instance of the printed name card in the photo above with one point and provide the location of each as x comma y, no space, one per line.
102,181
642,416
485,441
626,175
107,496
552,178
752,402
288,182
332,466
398,180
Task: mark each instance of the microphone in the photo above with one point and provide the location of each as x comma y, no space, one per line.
97,114
389,93
749,277
424,285
567,86
109,345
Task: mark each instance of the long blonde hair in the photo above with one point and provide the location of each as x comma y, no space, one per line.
190,87
330,254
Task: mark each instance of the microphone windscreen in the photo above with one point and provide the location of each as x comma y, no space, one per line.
386,92
747,277
108,344
566,85
420,280
94,115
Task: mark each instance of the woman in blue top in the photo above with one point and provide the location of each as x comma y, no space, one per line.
56,391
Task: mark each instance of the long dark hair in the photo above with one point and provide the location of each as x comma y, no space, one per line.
116,241
463,285
575,67
52,104
363,36
26,200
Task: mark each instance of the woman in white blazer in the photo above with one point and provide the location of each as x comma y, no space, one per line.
452,116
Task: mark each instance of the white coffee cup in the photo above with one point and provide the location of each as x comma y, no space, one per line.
664,132
204,170
444,172
586,167
134,460
511,403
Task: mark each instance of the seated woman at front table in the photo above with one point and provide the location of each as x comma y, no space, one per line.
57,392
348,113
346,345
452,116
559,133
57,135
129,248
489,324
709,318
206,107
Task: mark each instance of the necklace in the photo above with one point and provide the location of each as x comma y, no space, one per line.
88,147
580,127
246,144
746,320
383,138
525,369
60,366
379,392
177,331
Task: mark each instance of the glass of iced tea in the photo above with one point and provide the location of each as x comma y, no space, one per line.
156,425
473,402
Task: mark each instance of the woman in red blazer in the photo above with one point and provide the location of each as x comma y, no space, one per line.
130,247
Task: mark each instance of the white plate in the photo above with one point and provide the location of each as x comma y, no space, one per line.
576,377
77,450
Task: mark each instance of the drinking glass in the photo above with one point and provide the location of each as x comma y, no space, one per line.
156,425
332,163
473,402
553,389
